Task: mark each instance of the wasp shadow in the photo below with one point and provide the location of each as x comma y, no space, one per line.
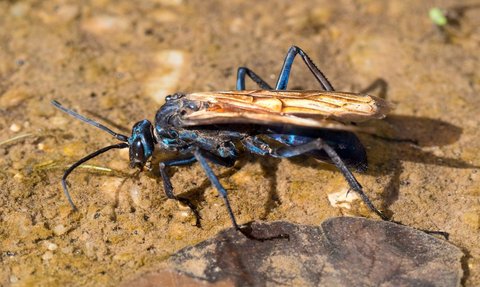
400,138
410,139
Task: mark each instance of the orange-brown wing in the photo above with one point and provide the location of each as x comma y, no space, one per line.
301,108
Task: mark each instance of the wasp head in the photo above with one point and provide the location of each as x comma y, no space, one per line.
141,144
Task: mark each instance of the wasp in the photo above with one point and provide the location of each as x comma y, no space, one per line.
212,127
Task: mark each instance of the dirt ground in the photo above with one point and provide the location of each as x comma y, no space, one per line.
114,61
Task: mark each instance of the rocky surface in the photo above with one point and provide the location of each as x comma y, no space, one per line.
115,61
342,251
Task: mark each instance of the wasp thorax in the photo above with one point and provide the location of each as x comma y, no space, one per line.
141,144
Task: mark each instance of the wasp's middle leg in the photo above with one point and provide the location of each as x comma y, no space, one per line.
244,71
202,159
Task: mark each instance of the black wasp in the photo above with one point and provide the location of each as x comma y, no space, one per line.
208,127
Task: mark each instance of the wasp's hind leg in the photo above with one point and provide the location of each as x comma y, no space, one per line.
167,184
244,71
282,81
258,146
319,144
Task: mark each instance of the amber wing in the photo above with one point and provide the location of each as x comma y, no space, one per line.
299,108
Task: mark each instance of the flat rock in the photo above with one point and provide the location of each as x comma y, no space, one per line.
343,251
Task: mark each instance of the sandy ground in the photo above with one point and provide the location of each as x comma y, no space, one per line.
115,61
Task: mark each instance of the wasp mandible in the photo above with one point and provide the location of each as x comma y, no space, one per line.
209,127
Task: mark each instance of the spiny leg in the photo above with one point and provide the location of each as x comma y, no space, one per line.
244,71
221,190
167,184
317,144
282,81
214,180
337,161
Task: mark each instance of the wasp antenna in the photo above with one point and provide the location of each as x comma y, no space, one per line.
78,163
118,136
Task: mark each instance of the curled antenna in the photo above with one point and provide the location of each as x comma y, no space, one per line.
78,163
118,136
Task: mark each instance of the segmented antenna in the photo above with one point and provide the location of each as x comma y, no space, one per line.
118,136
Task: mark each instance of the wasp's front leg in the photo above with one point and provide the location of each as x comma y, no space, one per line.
167,184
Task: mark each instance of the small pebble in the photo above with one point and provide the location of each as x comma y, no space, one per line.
15,128
135,194
18,176
59,229
184,213
47,255
52,246
104,23
341,199
13,279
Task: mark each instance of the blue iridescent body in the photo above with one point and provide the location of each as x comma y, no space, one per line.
170,134
222,140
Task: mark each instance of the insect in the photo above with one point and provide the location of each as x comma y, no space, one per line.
210,127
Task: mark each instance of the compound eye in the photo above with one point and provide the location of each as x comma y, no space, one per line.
137,154
168,98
